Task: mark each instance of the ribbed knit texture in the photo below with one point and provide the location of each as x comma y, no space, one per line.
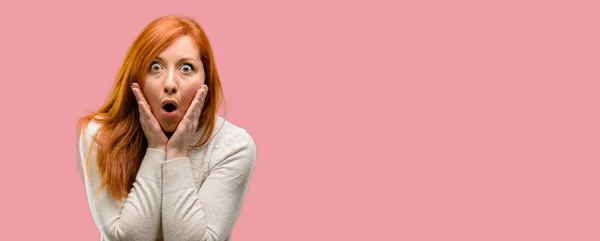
199,197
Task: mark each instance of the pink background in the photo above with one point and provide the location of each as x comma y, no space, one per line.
374,120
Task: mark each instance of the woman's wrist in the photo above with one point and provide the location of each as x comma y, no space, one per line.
172,154
158,147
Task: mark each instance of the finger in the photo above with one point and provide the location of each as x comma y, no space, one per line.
146,111
191,111
144,107
200,105
142,115
203,97
198,94
133,89
137,91
194,117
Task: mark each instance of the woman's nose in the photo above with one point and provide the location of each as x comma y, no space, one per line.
170,89
170,86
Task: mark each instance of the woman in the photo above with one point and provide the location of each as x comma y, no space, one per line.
159,163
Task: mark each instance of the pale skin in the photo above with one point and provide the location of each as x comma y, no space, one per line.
177,74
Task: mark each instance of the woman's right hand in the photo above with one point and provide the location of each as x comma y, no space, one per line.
154,134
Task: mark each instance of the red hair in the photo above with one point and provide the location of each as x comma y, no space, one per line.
121,143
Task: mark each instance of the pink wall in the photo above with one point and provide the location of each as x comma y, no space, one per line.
374,120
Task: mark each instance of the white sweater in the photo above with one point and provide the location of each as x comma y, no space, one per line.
199,197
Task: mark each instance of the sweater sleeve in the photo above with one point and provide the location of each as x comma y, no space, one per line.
136,217
210,212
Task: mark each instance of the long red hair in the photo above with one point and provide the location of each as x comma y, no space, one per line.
121,143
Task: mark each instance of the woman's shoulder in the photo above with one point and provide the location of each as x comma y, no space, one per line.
86,139
229,137
90,129
226,130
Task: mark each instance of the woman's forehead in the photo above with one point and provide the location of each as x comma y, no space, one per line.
182,48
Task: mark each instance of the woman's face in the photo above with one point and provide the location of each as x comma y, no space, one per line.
172,80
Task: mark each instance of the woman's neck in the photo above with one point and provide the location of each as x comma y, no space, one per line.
168,134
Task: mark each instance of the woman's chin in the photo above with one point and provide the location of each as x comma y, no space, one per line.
168,128
169,125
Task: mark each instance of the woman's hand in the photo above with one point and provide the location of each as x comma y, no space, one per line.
178,144
152,130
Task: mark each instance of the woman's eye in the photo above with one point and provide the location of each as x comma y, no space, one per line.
155,67
186,68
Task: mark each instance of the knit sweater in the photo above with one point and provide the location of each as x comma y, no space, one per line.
199,197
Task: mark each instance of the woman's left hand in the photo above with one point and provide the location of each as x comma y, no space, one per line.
178,144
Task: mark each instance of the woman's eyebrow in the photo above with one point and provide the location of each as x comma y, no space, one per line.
189,59
180,60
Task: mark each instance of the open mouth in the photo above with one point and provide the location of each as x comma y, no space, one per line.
169,107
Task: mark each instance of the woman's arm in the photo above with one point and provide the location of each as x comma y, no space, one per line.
138,217
211,212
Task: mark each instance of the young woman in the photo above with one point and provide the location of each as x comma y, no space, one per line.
159,163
